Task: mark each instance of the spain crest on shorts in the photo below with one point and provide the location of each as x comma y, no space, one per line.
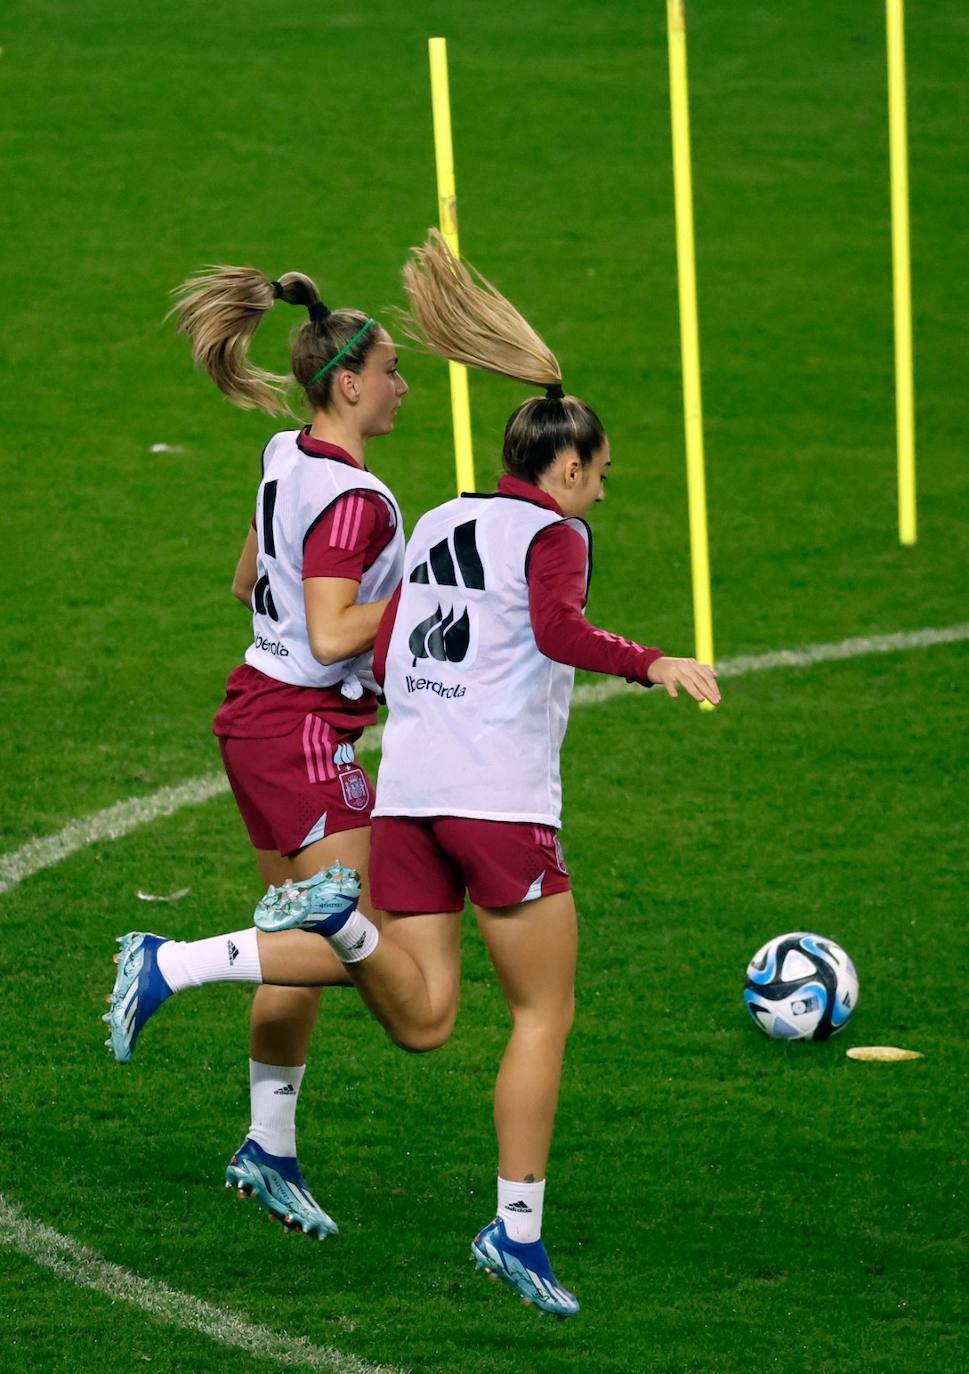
356,789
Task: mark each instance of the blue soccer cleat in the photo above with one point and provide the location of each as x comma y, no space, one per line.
322,903
525,1266
276,1183
139,990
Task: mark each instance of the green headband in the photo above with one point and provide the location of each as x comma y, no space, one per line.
345,349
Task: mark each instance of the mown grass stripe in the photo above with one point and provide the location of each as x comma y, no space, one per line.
78,1264
122,817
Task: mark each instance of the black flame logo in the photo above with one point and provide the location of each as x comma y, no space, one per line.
262,598
442,637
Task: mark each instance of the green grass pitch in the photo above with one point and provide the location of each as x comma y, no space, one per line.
719,1202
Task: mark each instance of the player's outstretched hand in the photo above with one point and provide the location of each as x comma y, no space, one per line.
699,679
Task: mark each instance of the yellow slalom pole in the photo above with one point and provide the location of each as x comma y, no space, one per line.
689,335
448,215
901,272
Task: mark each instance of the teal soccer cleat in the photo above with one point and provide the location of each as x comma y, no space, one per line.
276,1183
139,990
525,1267
321,904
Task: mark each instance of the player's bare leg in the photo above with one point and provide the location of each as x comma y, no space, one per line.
533,948
282,1020
410,981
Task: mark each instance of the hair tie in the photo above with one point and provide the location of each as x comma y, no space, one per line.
279,291
554,392
318,311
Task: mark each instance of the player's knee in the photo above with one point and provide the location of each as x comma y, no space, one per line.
421,1041
552,1019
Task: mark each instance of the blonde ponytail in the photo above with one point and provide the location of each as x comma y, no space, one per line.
219,311
466,319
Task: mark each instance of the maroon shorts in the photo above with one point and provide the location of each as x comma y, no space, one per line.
425,863
300,787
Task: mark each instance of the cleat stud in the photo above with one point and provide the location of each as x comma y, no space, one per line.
115,958
527,1302
493,1277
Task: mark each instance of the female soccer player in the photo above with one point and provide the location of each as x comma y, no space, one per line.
479,651
323,555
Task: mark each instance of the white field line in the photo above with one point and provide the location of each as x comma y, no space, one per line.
125,816
796,658
109,824
70,1260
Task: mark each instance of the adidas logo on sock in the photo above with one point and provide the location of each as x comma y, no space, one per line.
287,1091
518,1207
233,953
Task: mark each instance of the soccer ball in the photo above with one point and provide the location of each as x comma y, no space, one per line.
801,987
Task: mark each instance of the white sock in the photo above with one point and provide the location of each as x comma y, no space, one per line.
520,1208
230,958
274,1093
355,940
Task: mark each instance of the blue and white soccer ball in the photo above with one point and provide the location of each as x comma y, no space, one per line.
801,987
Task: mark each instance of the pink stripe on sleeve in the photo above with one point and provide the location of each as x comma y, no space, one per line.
358,516
351,510
339,520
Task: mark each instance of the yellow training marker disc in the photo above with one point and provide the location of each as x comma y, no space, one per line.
882,1054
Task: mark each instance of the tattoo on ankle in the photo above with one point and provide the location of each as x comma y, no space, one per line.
529,1178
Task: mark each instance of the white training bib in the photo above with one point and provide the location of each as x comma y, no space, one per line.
296,491
477,712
